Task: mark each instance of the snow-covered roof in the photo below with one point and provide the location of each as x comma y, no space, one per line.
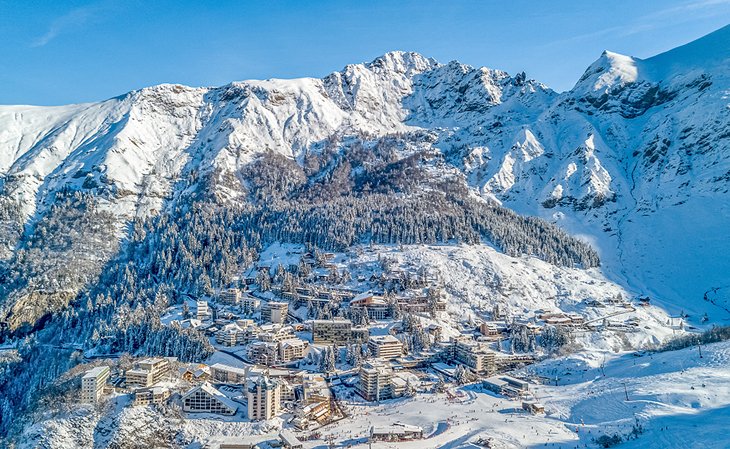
380,339
95,372
288,438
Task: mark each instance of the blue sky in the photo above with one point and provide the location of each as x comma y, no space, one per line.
56,52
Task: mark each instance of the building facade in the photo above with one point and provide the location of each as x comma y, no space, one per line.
206,399
147,372
92,384
274,312
264,398
385,347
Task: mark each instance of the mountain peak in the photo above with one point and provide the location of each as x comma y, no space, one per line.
404,62
609,70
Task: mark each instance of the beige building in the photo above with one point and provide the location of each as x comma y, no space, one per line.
206,399
227,374
264,398
92,384
292,349
385,347
274,312
154,395
375,381
147,372
475,355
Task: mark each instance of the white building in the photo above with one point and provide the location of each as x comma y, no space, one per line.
375,381
202,311
92,384
206,399
231,296
274,312
264,398
385,347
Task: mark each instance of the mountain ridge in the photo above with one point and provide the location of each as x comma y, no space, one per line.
591,159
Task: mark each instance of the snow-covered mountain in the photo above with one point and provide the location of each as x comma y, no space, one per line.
635,158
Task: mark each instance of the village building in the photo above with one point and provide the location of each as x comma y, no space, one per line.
533,407
205,398
332,332
263,352
147,372
92,384
490,330
275,333
274,312
202,311
396,432
230,335
154,395
376,306
289,440
475,355
292,349
264,398
198,373
227,374
250,304
375,381
385,347
231,296
506,386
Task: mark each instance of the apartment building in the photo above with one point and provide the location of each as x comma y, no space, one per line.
376,306
227,374
202,311
154,395
274,312
204,398
475,355
292,349
275,333
92,384
231,296
264,398
375,381
263,352
385,347
337,331
147,372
